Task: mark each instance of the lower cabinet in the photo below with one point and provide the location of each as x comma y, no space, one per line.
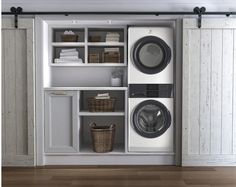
68,118
61,122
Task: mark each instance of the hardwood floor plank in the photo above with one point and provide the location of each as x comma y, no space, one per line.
99,176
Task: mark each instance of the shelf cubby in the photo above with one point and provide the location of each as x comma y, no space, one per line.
57,50
101,32
119,103
85,134
58,32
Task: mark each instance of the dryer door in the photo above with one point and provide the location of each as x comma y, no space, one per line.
151,119
151,54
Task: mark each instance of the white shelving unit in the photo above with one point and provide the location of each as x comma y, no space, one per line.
71,78
87,45
71,84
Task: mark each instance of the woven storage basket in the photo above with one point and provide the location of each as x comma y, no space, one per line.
101,105
94,38
94,58
69,37
111,57
102,137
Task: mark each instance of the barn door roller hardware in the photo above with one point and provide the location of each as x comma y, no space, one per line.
196,11
199,12
16,12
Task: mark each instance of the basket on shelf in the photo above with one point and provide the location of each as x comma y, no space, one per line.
94,38
69,37
102,137
101,105
93,58
111,57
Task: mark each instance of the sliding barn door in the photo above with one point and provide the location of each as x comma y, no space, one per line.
209,92
17,93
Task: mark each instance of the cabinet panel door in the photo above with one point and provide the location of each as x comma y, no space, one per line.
61,123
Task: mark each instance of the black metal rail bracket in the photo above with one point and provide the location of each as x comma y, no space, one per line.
16,12
199,12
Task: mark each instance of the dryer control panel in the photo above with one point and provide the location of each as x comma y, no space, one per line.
151,90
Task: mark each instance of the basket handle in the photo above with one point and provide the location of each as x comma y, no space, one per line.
92,125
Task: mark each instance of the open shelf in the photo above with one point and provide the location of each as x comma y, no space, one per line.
86,88
117,149
85,134
67,44
119,106
86,45
106,44
116,113
90,64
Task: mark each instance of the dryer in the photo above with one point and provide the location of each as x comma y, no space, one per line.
150,55
151,128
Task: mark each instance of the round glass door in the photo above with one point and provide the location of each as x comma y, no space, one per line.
151,54
151,119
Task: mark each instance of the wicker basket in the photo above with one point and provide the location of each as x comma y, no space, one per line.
111,57
94,58
69,37
102,137
101,105
94,38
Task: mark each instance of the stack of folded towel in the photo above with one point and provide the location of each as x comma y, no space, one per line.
69,56
112,37
111,49
102,96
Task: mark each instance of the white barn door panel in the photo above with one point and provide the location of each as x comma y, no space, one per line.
209,92
17,93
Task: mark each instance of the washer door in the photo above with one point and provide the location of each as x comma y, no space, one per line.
151,119
151,54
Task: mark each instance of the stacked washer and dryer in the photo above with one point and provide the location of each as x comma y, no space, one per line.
150,79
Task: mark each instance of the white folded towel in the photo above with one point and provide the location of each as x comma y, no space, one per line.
70,57
75,53
108,97
58,60
103,95
68,50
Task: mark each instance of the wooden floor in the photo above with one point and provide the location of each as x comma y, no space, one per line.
166,176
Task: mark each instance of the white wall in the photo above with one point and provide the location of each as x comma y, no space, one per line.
119,5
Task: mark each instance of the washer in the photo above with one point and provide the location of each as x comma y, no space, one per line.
151,118
150,55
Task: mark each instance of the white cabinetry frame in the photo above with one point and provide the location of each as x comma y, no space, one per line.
63,90
61,122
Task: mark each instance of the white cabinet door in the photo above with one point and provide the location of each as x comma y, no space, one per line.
61,122
209,92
